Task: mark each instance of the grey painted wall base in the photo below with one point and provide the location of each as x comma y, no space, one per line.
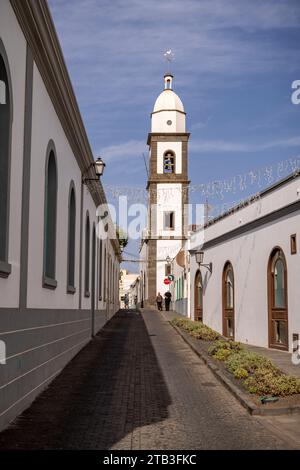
39,344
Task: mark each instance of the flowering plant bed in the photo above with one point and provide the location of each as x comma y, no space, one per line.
196,329
254,372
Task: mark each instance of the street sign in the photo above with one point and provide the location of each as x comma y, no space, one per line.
166,281
171,277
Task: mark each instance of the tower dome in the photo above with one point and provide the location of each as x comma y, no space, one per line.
168,100
168,113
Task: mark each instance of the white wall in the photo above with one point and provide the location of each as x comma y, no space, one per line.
159,121
169,198
41,339
88,205
249,255
46,126
15,46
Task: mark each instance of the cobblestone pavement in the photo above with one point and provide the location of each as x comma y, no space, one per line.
137,385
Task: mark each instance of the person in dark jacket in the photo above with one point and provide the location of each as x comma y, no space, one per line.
168,297
159,301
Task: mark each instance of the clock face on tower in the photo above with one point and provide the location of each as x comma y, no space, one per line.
169,122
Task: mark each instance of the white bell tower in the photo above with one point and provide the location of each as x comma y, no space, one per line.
167,186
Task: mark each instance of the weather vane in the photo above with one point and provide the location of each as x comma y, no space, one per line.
169,56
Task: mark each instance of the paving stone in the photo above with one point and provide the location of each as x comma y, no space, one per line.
137,385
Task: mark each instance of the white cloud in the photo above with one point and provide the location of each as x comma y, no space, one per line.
134,149
200,124
115,49
131,149
230,146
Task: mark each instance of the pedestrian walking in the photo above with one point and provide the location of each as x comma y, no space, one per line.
126,301
159,301
168,297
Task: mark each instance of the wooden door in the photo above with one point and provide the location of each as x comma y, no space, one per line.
198,289
278,302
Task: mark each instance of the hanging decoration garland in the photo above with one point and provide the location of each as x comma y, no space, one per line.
257,178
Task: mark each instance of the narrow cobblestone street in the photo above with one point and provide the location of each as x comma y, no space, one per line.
137,385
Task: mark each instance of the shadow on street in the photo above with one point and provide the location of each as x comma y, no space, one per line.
113,386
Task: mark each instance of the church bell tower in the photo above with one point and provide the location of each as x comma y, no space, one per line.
167,188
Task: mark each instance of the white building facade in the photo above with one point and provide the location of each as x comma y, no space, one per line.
128,285
251,295
58,280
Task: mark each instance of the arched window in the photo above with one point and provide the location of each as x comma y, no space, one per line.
71,241
109,279
100,268
87,257
105,275
228,301
5,144
93,296
169,162
50,215
112,281
198,297
278,271
229,289
278,307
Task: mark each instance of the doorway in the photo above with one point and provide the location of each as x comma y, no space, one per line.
278,300
198,301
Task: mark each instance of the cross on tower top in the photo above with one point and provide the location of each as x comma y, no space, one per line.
169,56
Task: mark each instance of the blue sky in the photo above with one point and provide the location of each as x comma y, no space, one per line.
234,64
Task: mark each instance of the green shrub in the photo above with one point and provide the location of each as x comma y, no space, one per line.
196,329
222,354
259,374
241,373
272,384
222,344
249,361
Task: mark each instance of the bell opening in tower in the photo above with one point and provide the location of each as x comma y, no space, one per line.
168,81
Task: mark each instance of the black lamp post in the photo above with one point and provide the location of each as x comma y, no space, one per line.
199,259
99,167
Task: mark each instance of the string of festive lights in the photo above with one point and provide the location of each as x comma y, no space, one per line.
217,189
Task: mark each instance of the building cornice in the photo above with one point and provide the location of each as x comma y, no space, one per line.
38,28
250,226
261,194
165,179
37,25
164,110
155,136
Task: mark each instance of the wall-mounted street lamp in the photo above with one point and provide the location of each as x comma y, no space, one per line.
99,166
199,259
168,267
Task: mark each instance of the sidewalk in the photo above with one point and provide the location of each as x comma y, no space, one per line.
282,359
